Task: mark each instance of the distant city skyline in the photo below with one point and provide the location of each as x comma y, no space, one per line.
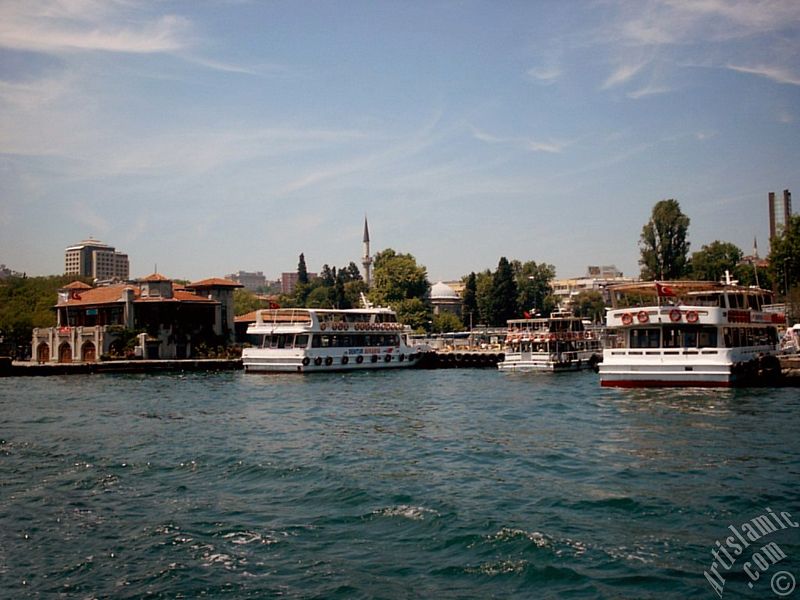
215,137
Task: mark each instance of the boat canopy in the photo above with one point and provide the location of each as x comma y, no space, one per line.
694,293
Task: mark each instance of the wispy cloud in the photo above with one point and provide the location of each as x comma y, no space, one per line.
649,90
87,25
545,75
775,73
532,145
623,74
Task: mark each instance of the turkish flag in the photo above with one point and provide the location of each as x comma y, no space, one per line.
664,290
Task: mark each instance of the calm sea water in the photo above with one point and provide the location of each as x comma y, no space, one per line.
404,484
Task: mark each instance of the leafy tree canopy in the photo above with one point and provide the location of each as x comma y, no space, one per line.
589,304
27,302
784,256
469,299
663,243
534,284
397,277
712,260
446,322
504,294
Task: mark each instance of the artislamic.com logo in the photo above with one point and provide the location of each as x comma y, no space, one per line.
761,558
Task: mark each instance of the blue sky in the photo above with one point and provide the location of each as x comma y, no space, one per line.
212,136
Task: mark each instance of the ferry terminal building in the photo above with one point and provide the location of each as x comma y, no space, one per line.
175,319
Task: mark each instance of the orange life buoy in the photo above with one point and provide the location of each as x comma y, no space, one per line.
627,319
674,315
692,316
322,326
642,316
587,335
552,337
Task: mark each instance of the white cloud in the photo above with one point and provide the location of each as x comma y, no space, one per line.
532,145
775,73
622,74
86,25
545,75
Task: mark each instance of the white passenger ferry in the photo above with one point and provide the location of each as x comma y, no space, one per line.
302,340
558,343
688,333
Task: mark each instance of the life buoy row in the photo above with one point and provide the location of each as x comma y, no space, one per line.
338,326
675,315
328,361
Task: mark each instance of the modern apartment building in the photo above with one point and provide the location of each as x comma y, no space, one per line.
92,258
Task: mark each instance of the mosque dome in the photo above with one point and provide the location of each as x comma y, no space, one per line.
442,291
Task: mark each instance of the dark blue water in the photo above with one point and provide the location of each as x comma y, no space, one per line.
398,484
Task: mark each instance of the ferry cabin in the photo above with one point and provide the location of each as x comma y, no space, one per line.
308,340
687,334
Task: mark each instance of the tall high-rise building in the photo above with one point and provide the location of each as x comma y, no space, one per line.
779,215
366,260
92,258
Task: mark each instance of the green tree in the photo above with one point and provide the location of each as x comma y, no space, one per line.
320,297
327,275
27,302
484,282
414,312
784,257
446,322
302,271
397,277
534,285
350,273
504,294
589,304
712,260
353,291
469,299
245,301
663,243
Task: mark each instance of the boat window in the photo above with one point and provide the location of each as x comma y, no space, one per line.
707,337
690,337
714,300
301,341
645,338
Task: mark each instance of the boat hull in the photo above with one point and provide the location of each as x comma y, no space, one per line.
258,361
544,362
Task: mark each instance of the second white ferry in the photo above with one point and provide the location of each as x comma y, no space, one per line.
304,340
689,333
558,343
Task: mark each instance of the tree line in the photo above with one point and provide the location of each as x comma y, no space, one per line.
513,290
664,250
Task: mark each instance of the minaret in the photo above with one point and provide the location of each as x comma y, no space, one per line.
366,260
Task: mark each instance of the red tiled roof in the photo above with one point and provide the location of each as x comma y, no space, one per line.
155,277
102,295
214,282
247,318
77,285
115,294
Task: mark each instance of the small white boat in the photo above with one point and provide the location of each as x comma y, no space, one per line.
558,343
305,340
689,333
